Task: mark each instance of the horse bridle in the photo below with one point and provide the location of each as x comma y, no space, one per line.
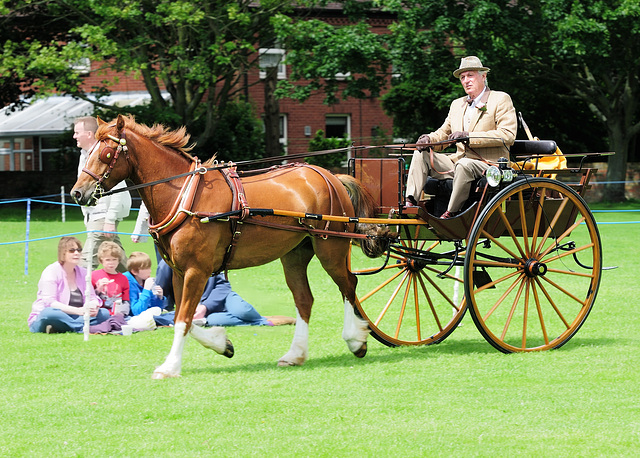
108,156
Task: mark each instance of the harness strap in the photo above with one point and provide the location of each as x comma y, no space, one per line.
181,207
238,204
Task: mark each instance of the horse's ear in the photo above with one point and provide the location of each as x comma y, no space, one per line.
100,121
120,123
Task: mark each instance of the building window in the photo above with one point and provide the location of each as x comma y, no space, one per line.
272,57
338,126
82,66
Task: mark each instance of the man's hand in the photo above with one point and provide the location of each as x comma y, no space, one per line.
424,138
457,135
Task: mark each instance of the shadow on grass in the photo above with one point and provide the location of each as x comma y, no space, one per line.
378,355
383,355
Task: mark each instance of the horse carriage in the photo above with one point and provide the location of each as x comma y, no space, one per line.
524,256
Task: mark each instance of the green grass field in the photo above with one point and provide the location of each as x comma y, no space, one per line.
62,396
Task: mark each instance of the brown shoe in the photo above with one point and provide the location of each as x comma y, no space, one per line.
447,215
279,320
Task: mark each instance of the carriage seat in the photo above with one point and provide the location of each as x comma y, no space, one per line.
532,148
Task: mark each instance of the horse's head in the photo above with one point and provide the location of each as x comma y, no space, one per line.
105,166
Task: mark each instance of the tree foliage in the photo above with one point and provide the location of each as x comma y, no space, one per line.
198,51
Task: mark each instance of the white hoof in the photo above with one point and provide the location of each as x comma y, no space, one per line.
159,374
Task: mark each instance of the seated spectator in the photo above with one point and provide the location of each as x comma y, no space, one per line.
63,295
219,304
143,292
110,285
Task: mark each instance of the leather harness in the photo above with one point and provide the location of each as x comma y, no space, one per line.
240,211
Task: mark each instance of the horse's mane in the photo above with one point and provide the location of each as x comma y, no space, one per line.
176,139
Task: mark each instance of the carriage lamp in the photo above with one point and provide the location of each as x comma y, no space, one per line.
500,173
494,175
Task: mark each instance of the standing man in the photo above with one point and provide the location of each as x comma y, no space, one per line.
486,117
108,211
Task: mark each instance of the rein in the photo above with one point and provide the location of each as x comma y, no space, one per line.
222,165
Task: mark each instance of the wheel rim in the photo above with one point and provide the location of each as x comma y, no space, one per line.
411,301
539,244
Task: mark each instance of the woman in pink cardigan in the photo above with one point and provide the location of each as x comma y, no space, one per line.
62,294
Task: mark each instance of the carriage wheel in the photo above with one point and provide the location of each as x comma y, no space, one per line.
533,266
410,302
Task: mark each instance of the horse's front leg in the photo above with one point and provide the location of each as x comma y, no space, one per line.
187,292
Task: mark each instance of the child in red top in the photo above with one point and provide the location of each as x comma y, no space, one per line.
111,285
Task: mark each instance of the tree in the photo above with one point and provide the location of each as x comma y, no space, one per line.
339,61
580,56
17,32
198,51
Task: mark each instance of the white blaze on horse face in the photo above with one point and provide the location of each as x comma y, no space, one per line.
173,364
299,351
356,330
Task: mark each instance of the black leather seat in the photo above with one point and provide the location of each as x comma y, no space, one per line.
532,148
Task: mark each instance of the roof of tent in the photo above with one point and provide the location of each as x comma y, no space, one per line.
54,115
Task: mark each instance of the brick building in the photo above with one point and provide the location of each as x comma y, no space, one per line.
28,139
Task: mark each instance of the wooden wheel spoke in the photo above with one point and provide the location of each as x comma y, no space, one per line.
507,225
547,233
417,309
536,226
382,285
436,271
525,314
442,293
569,272
385,309
568,253
523,223
430,302
552,302
500,244
562,237
403,307
540,316
560,288
504,295
514,306
495,282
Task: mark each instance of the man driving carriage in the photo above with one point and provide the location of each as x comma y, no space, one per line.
487,118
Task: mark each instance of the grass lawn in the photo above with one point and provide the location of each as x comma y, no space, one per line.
61,396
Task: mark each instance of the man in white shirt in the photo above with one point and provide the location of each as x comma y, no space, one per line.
108,211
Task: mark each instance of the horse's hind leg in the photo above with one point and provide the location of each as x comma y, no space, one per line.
295,271
333,255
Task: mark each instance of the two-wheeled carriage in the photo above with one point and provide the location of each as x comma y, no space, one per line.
524,257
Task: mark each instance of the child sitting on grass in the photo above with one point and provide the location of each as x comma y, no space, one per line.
143,291
111,285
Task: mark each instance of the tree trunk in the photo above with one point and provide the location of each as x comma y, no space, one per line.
617,165
271,114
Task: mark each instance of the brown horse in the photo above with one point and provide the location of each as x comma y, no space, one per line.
196,249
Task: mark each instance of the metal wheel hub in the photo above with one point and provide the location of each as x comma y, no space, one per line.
414,265
534,268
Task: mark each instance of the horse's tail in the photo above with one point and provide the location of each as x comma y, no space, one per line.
364,205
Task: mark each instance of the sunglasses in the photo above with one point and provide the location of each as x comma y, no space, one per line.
73,250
